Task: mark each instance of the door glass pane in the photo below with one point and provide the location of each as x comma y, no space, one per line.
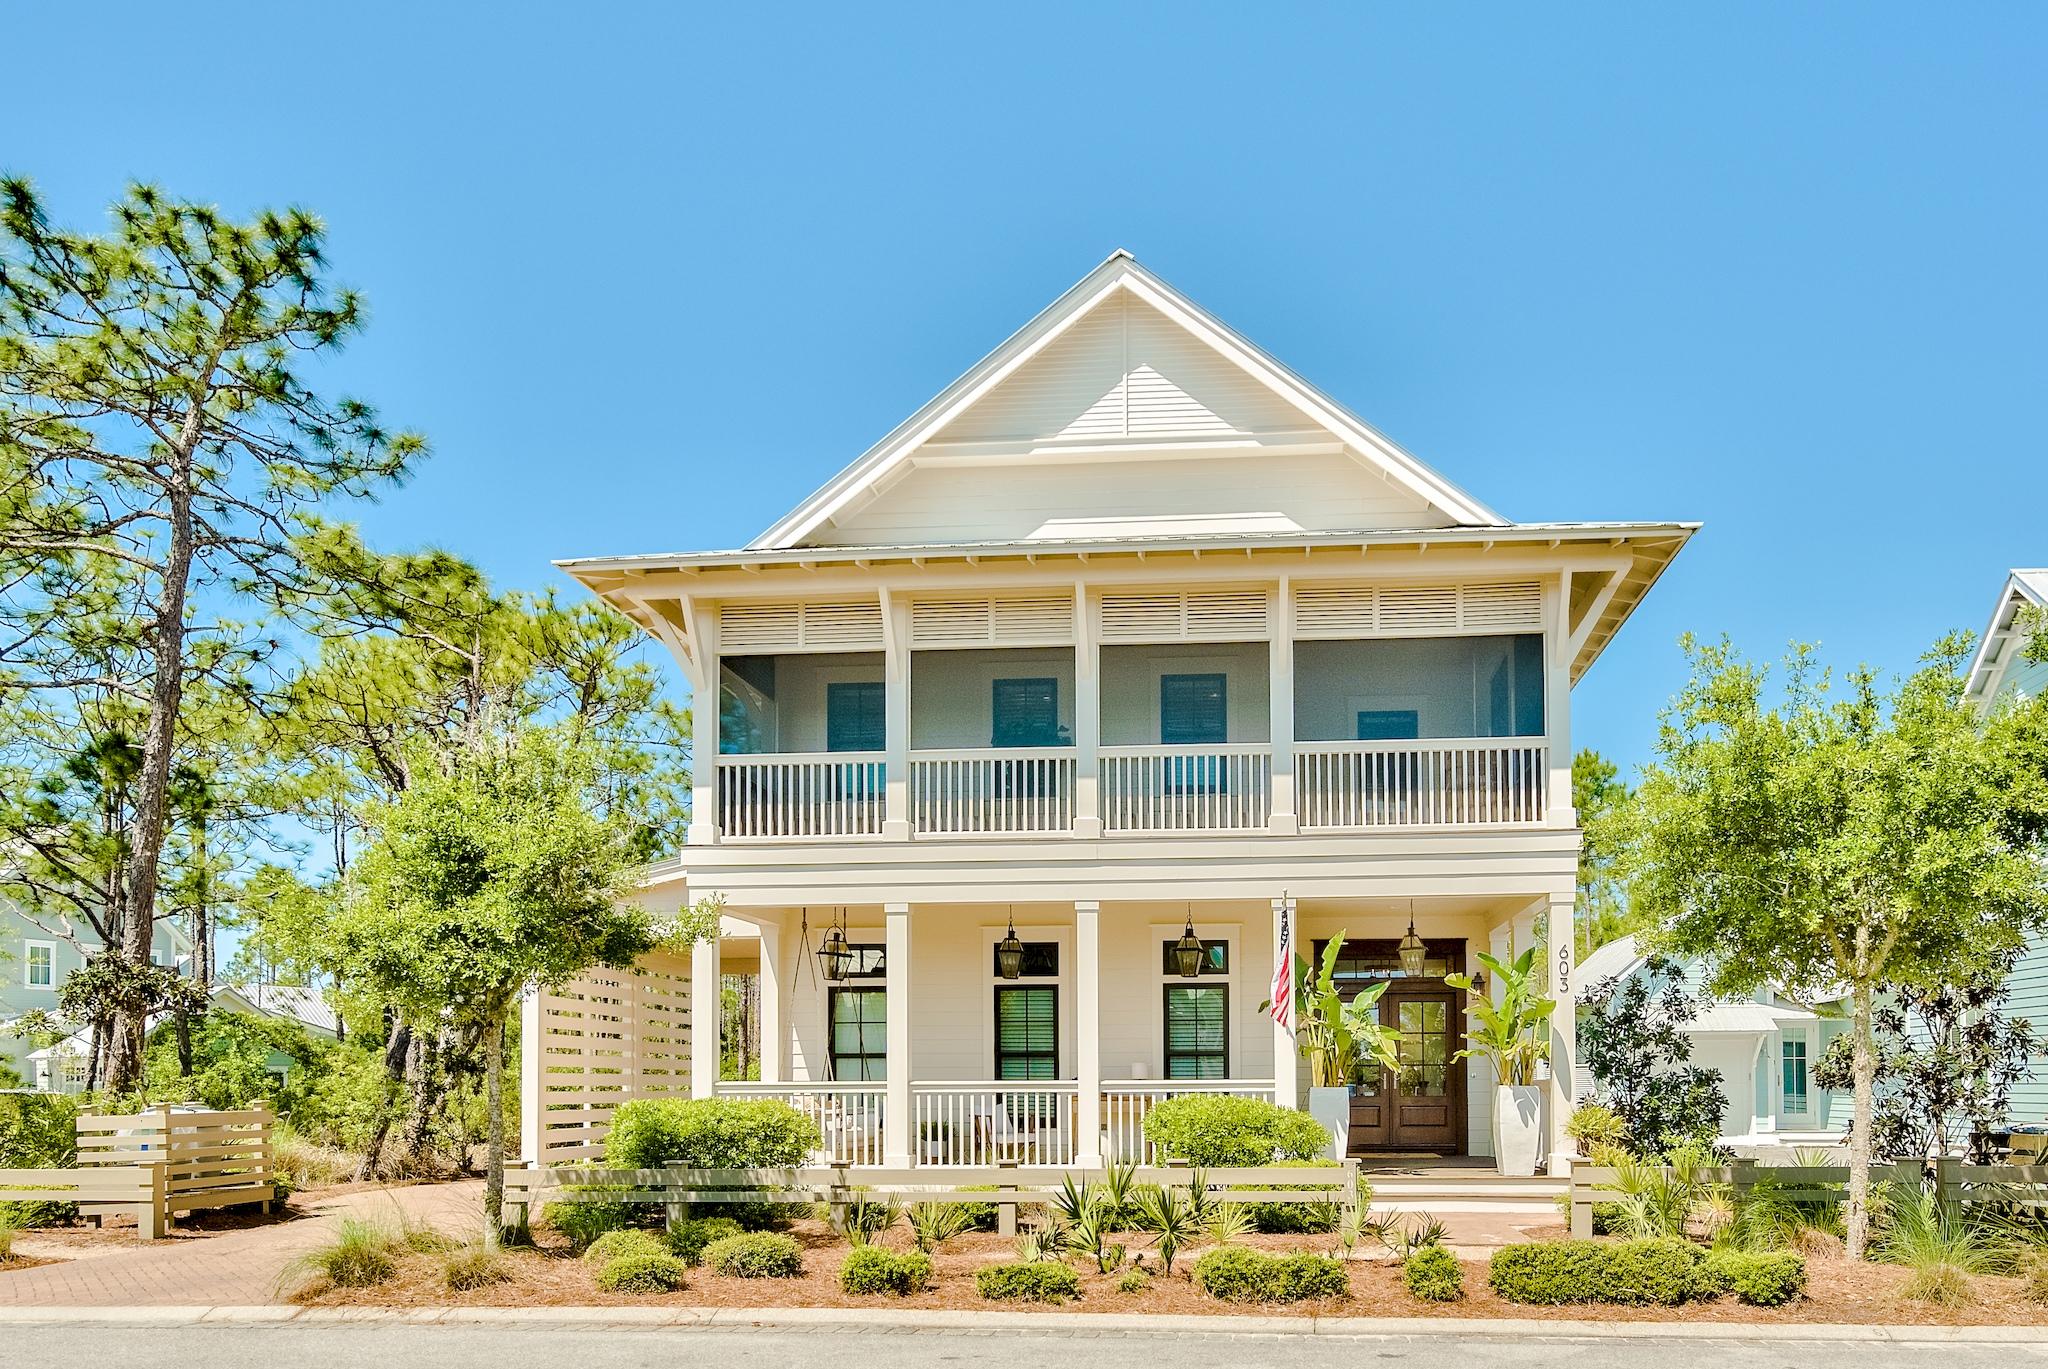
1425,1048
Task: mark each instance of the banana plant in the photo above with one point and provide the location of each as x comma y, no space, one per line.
1509,1033
1338,1039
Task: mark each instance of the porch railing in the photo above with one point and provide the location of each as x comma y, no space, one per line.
1221,788
849,1116
994,1123
1455,783
1126,1104
1008,789
808,794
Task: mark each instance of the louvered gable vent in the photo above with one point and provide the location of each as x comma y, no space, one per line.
1042,620
1196,615
1412,610
855,626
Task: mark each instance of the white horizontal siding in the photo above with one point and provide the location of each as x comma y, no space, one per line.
940,503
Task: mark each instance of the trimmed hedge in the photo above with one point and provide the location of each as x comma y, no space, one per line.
1663,1272
1035,1281
1762,1279
1216,1130
1303,1219
657,1272
756,1255
687,1240
871,1269
618,1244
1235,1273
709,1133
1434,1274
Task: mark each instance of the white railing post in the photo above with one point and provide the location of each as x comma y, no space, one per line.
896,717
899,1133
1087,1034
1284,816
1087,719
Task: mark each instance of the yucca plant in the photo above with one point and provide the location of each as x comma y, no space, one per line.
1075,1201
1225,1223
1119,1183
863,1219
1048,1242
1090,1237
933,1224
1168,1214
1941,1247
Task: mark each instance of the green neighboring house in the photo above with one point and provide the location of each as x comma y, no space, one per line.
36,955
1999,672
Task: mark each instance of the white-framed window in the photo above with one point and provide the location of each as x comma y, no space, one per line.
1029,1036
1197,1017
39,964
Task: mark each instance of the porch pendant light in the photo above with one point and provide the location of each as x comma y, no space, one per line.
1187,952
1411,950
835,957
1010,952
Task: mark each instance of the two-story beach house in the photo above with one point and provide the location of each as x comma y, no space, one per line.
1023,742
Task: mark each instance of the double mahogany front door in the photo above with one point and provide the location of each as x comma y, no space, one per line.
1421,1106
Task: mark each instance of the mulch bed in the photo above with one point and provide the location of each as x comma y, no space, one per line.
550,1275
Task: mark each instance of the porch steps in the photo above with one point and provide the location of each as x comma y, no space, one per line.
1464,1190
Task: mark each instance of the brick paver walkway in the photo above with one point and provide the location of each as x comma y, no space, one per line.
228,1268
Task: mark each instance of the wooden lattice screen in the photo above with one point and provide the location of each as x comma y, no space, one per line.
597,1042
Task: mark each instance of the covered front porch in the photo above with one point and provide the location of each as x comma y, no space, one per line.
1041,1034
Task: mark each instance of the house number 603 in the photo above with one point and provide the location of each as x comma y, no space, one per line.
1564,967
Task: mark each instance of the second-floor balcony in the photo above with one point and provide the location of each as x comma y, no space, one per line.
1153,741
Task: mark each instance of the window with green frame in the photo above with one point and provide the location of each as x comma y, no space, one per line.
860,1034
1025,712
1027,1032
1197,1031
854,715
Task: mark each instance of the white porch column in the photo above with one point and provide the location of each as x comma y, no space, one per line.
1286,1058
773,1043
705,1004
703,829
1087,719
895,717
1560,945
898,1127
1285,817
1557,704
1088,1034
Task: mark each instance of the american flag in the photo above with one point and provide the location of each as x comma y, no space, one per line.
1283,969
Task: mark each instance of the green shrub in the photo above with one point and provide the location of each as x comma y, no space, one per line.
624,1241
1038,1281
1761,1279
1302,1219
1660,1271
582,1219
709,1133
1595,1124
756,1255
1546,1272
357,1256
687,1240
7,1230
37,1131
1134,1281
871,1269
651,1272
1222,1131
473,1267
1238,1274
1434,1274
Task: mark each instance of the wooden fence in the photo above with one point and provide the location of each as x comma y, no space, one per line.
676,1189
203,1159
138,1188
1950,1180
596,1042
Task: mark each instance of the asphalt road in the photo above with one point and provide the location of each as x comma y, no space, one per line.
344,1346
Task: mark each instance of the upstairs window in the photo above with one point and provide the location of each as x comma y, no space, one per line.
1388,725
854,718
1193,709
1026,712
40,965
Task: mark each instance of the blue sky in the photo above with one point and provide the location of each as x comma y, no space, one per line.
647,275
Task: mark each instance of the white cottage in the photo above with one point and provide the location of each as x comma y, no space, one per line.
1130,636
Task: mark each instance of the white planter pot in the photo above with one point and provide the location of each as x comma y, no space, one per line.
1517,1128
1332,1107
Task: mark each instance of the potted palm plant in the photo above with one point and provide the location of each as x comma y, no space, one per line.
1339,1041
1510,1034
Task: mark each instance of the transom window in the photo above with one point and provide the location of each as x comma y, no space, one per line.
1215,957
1367,962
1041,961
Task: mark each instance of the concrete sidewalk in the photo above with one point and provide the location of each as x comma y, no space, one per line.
238,1267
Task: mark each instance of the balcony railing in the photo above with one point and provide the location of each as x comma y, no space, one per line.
816,794
849,1116
994,1123
1221,788
1462,783
1015,789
